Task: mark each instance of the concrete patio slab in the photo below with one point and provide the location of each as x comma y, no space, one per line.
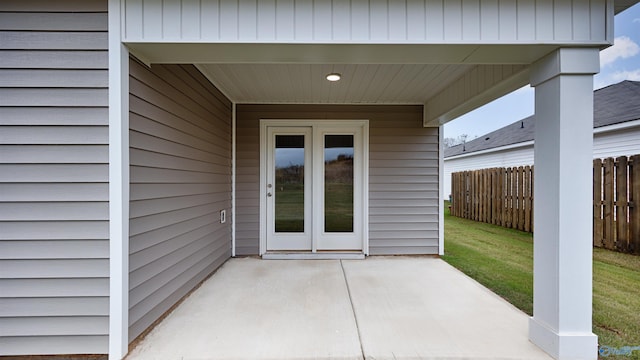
260,309
423,308
378,308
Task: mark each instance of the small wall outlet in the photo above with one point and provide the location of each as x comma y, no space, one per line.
223,216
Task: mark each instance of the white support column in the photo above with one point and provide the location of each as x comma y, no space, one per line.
562,280
118,187
442,196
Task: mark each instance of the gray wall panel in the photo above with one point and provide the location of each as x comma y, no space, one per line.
54,306
403,174
54,264
45,345
180,154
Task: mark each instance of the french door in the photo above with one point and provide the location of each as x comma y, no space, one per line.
314,188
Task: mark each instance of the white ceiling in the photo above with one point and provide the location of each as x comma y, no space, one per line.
306,83
371,73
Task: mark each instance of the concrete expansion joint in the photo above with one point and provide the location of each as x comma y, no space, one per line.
353,309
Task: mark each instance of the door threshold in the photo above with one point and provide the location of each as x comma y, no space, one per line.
313,256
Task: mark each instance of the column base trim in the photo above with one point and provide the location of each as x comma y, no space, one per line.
563,346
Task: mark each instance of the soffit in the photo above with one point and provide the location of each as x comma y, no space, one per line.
372,74
621,5
306,83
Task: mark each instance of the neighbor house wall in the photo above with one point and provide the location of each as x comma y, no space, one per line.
605,144
54,229
180,153
403,174
617,143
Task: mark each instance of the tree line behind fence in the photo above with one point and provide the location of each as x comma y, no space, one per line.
504,197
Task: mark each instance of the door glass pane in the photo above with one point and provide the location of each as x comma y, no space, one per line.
338,183
289,183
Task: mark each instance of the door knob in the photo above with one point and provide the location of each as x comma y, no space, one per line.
269,194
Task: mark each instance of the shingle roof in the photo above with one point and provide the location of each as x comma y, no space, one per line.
613,104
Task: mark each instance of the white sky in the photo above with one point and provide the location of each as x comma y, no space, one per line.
617,63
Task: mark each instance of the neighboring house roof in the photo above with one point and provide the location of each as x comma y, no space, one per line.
613,104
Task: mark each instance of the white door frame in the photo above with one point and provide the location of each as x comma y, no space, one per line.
332,125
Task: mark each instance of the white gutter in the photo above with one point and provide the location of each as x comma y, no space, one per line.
486,151
619,126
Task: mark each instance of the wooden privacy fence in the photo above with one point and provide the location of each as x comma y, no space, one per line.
504,196
616,203
500,196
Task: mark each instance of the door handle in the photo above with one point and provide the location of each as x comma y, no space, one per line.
269,194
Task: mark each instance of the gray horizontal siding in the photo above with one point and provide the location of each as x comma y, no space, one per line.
403,174
180,154
45,345
403,194
54,232
63,21
78,287
45,249
55,306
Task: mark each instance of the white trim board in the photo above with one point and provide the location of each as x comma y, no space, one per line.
118,187
313,256
233,178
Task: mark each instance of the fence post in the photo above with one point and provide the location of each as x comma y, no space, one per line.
622,239
514,203
509,219
495,177
634,216
533,205
467,195
597,202
521,198
500,212
527,198
609,233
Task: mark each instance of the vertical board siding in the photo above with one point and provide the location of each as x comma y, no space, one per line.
54,238
368,21
180,154
403,174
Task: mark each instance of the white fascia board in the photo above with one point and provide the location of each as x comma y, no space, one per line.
615,127
492,150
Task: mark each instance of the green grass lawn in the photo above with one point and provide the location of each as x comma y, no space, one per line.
502,260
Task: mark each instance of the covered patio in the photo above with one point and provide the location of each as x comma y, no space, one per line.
340,309
407,68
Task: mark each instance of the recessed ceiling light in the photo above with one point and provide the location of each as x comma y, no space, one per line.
334,77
